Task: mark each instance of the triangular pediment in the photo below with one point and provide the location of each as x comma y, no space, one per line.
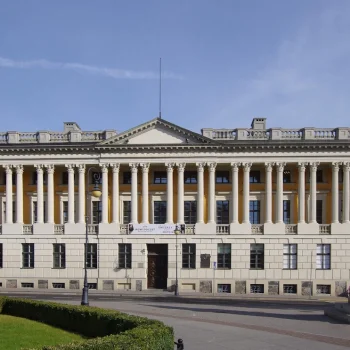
157,132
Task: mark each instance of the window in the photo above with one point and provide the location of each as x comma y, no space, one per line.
323,257
286,211
65,212
160,177
254,176
189,256
92,286
126,212
254,212
319,210
319,175
35,211
290,289
64,178
222,177
27,285
222,212
124,257
190,177
257,256
91,256
59,256
96,212
58,285
287,177
257,288
28,255
159,212
126,177
224,256
224,288
190,212
323,289
290,252
1,256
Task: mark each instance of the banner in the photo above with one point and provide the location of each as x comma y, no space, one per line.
154,229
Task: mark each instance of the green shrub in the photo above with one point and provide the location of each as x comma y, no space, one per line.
109,329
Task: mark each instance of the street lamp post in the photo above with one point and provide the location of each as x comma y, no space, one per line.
96,192
177,231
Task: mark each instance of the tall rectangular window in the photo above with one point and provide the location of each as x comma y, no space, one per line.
190,212
222,177
64,178
323,257
287,176
319,175
222,212
126,212
286,211
160,177
59,256
65,212
254,176
1,256
290,252
254,212
126,177
124,256
91,256
160,212
224,255
96,212
188,256
190,177
319,211
28,255
257,256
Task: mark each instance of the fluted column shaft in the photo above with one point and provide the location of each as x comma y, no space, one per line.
82,195
104,169
211,167
134,215
235,192
335,193
115,215
50,194
313,192
40,194
145,205
9,195
301,193
268,193
246,192
279,194
200,193
346,168
19,194
169,193
70,169
180,195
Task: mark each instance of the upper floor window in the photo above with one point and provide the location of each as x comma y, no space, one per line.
160,212
257,256
319,175
222,177
222,212
126,177
254,176
319,211
190,211
254,212
287,177
96,212
224,256
64,178
126,212
323,258
190,177
286,211
160,177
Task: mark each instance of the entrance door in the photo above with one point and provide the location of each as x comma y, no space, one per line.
157,266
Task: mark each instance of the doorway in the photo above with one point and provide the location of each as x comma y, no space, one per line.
157,272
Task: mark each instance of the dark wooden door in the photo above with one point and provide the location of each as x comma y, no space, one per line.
157,266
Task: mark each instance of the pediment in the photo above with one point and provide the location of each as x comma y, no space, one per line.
157,132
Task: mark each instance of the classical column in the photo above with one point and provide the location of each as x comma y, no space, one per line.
19,194
268,193
71,219
235,192
169,193
200,193
279,193
335,193
180,194
104,168
313,191
145,206
82,193
346,168
115,213
301,193
50,194
9,196
134,168
246,171
211,207
40,193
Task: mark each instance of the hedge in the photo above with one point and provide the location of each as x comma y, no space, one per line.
108,329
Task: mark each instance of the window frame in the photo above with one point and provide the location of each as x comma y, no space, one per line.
162,176
28,257
125,255
1,255
257,250
288,254
287,176
223,213
192,176
287,211
59,255
321,257
126,211
91,256
255,211
96,213
252,177
224,259
221,174
159,213
188,256
190,215
126,177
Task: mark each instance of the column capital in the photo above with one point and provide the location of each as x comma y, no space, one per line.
8,168
81,168
212,166
134,167
235,166
70,168
336,165
280,166
19,169
145,167
115,167
314,165
200,166
170,167
302,166
246,167
181,166
104,168
39,168
50,168
346,166
268,166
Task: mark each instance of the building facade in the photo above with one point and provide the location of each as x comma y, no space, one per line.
259,210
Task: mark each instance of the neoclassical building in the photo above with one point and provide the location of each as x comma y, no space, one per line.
259,210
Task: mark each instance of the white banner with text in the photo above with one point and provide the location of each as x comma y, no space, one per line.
154,229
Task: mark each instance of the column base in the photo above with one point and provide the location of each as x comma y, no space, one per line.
240,229
205,229
109,229
74,229
274,229
43,229
340,229
12,229
308,229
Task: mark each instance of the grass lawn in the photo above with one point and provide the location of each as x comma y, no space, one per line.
17,333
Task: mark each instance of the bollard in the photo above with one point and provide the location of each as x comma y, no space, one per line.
179,344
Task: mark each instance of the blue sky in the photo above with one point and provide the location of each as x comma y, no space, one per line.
224,62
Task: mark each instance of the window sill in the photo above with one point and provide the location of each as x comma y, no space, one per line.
223,268
285,269
323,269
188,268
27,268
58,268
257,268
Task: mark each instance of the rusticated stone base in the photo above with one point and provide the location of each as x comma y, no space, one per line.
206,286
108,285
273,288
240,287
11,283
43,284
340,288
74,284
306,288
